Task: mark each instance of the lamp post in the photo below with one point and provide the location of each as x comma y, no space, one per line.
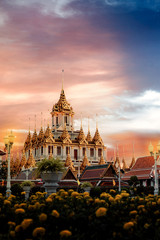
155,154
8,141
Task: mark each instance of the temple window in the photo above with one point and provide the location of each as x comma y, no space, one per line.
83,151
58,150
99,152
56,120
42,150
91,152
75,154
67,150
48,149
65,119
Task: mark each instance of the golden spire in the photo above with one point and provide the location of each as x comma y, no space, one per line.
31,161
17,164
69,163
101,159
85,162
65,134
133,159
97,138
23,160
41,135
117,162
89,137
62,105
81,135
62,78
48,132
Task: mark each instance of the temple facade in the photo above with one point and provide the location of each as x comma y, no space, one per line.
61,140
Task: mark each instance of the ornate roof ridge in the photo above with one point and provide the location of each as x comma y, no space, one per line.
65,134
81,135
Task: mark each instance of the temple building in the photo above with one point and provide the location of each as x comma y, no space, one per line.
61,140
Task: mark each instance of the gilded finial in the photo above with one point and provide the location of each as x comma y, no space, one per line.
29,124
41,119
133,148
35,121
62,78
96,121
81,120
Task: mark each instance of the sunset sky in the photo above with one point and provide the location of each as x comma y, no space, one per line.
110,53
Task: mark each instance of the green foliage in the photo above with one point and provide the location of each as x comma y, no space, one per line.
133,181
16,189
86,184
3,190
27,184
36,189
50,165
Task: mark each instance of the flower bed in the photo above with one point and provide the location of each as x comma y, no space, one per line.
78,216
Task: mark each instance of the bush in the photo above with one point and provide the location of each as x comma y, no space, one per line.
86,184
16,190
50,165
36,189
27,184
3,190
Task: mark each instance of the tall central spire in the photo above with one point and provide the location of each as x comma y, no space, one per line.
62,79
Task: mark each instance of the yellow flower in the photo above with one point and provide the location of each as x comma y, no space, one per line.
111,199
74,194
157,212
6,202
18,228
140,207
39,232
97,200
158,201
23,193
26,223
11,223
128,225
31,207
65,233
22,205
112,191
12,233
146,225
19,210
48,200
134,212
55,213
124,194
43,217
100,212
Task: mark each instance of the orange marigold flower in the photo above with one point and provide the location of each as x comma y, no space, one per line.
146,225
134,212
128,225
12,233
39,232
11,223
43,217
48,200
18,228
19,210
7,202
65,233
55,213
26,223
100,212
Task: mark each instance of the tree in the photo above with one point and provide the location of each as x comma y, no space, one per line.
133,181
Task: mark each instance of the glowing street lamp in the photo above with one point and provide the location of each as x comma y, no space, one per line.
8,141
155,154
